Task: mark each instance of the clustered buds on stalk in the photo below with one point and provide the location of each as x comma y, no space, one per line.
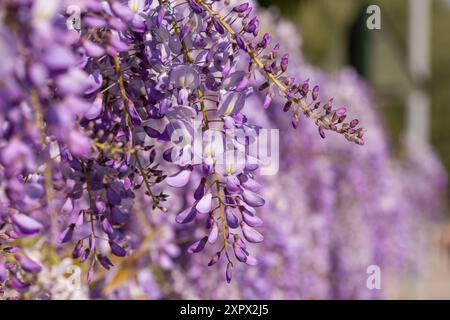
85,115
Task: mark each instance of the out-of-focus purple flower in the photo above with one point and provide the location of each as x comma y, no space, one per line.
117,250
28,265
26,224
229,272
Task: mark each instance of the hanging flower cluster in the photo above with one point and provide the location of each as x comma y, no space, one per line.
332,210
82,111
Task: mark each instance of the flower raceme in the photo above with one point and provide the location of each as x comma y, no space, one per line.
88,118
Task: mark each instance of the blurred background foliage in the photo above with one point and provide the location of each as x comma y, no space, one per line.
334,35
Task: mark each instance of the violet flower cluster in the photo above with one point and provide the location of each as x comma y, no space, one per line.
102,103
333,211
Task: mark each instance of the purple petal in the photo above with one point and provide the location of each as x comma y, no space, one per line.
284,62
229,272
3,272
214,234
67,206
197,246
161,15
267,100
248,209
186,216
241,8
73,82
242,85
341,111
118,44
26,224
232,103
85,255
113,196
251,220
233,184
100,206
104,261
185,77
315,93
29,265
18,285
93,49
138,24
240,254
127,183
94,83
90,273
251,234
179,179
251,261
204,205
152,133
38,74
117,24
117,250
118,216
253,199
214,259
67,234
200,191
59,57
218,26
249,183
94,22
106,226
231,218
240,243
122,11
35,190
79,144
321,132
77,250
79,220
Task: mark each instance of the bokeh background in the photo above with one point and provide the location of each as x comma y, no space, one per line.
334,35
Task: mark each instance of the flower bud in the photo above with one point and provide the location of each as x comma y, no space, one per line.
229,272
214,259
241,8
117,250
241,43
315,93
77,250
287,106
354,123
284,62
321,132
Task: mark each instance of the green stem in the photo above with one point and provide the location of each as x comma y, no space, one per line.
124,98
